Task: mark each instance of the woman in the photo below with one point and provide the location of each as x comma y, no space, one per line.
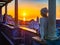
43,23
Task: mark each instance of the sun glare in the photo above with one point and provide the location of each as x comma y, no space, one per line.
24,19
24,16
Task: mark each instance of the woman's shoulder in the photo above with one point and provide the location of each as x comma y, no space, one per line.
43,18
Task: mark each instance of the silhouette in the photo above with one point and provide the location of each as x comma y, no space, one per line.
4,18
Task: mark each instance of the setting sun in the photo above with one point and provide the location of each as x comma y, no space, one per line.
24,14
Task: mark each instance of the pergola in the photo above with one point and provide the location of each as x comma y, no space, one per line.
52,16
3,3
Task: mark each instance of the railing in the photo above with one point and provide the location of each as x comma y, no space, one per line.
8,32
20,35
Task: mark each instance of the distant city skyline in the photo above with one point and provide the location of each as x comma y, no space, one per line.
30,9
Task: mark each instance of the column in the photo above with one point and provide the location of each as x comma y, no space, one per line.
0,14
52,20
6,12
6,9
16,13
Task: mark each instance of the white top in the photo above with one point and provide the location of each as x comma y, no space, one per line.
43,26
43,22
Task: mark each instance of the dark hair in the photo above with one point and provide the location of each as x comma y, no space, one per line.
44,12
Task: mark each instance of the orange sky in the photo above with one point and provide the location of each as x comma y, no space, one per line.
31,10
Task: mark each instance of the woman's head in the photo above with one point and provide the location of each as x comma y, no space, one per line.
44,12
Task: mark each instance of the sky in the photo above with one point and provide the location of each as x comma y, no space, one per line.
30,9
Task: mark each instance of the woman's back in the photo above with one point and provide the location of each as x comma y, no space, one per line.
43,26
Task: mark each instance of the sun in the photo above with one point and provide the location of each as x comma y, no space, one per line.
24,14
